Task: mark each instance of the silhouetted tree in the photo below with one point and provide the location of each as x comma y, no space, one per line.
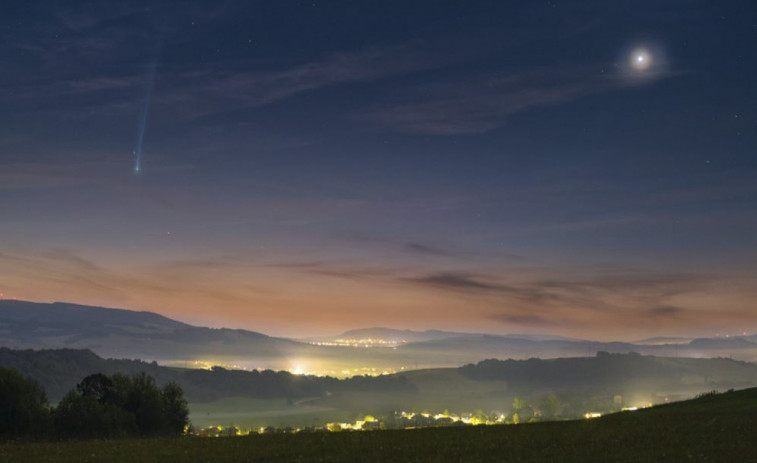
23,405
144,401
99,387
102,406
175,408
548,406
78,415
519,403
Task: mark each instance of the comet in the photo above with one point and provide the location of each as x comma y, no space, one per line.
142,118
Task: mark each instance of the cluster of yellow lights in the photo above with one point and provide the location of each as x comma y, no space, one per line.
367,423
590,415
203,365
368,342
345,373
358,425
296,368
467,418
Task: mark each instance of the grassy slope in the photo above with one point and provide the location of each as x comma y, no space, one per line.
719,428
458,395
438,390
254,413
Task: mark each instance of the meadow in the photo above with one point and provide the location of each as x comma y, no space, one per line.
711,428
246,413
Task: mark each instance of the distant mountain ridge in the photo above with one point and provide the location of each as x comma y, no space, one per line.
664,340
619,370
409,336
396,335
125,333
457,349
61,315
121,333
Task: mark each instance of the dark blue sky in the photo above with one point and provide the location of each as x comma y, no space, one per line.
313,166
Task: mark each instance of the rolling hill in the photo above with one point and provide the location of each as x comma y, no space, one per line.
122,333
487,385
119,333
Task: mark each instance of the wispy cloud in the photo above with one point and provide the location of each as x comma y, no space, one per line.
233,86
456,282
665,311
342,269
486,285
24,174
527,320
482,103
425,249
613,298
65,272
68,258
212,91
247,288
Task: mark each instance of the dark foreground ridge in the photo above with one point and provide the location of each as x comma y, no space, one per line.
715,427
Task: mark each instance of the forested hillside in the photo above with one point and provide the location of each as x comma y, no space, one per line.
59,370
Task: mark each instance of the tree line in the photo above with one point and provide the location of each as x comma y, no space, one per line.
99,406
59,370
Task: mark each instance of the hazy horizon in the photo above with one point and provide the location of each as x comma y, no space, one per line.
305,335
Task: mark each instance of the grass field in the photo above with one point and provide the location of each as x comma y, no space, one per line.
459,395
715,428
248,413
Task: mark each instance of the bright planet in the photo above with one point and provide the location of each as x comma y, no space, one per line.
641,59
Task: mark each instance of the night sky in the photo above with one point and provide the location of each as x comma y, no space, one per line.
584,168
